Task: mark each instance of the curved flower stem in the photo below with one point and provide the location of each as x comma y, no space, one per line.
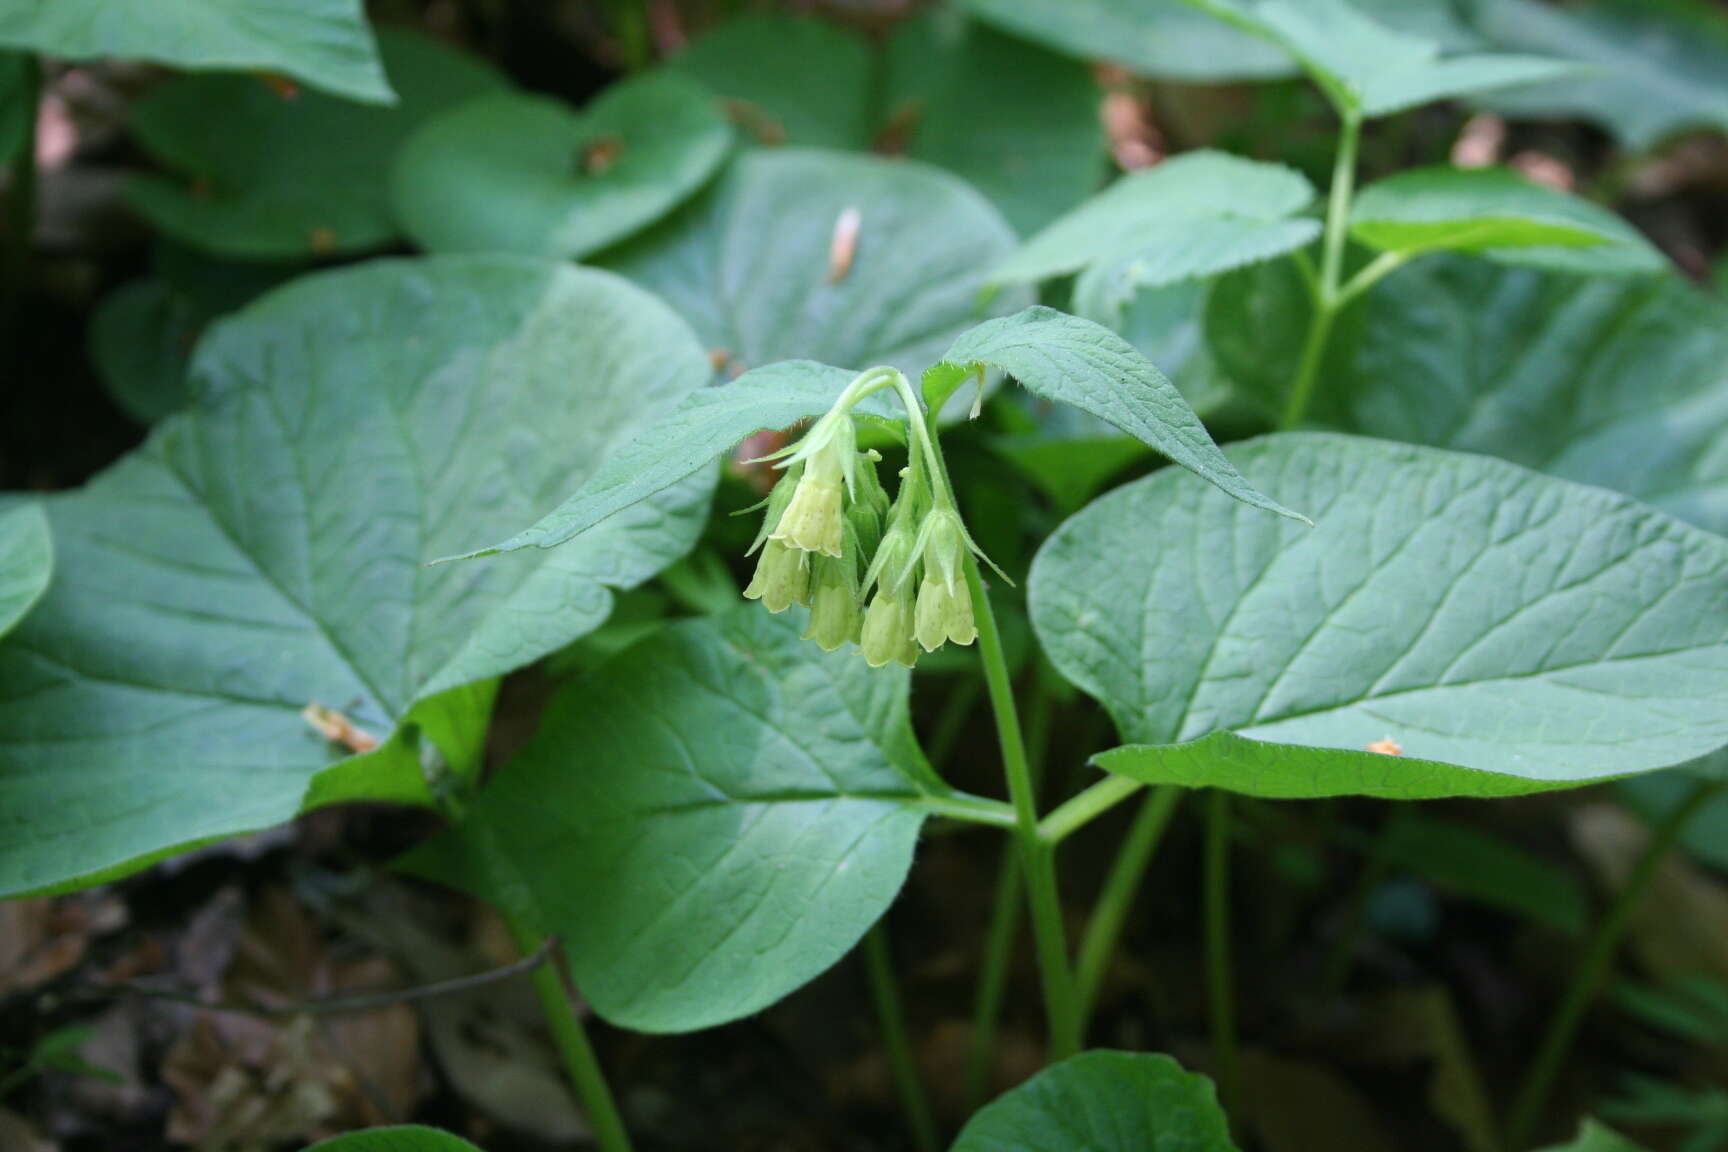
1218,974
885,991
1587,977
1117,896
1080,810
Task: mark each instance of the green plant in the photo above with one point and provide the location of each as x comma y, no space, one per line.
1476,556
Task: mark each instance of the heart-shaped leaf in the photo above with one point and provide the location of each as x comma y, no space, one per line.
1653,70
512,172
26,561
263,174
1103,1102
934,92
1447,613
708,823
1165,39
1082,364
326,43
1500,215
266,550
1368,68
401,1138
1622,383
804,254
1196,215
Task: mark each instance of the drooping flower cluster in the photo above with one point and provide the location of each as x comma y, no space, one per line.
890,577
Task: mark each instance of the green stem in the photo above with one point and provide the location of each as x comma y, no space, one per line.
1081,810
1036,858
20,220
1588,976
1218,976
885,992
1004,918
581,1065
1117,895
1327,297
976,809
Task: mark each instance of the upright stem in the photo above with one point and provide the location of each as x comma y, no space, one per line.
1061,1008
885,991
1217,910
20,224
1327,299
1587,977
580,1063
1117,896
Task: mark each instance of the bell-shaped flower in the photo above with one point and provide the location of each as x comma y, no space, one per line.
829,454
782,577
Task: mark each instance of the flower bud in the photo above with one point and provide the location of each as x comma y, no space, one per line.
835,617
943,613
869,506
782,577
887,633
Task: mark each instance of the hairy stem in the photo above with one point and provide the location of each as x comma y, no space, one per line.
1218,975
581,1065
1328,299
885,992
1593,967
1120,887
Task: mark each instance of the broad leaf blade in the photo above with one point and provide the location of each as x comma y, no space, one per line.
1196,214
755,267
1471,613
326,43
1076,362
266,550
1500,215
511,172
1103,1102
707,824
260,175
399,1138
26,561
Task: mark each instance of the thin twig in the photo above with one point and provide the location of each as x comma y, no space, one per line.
338,1005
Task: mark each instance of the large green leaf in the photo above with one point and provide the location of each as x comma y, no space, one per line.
401,1138
141,339
1256,320
1166,39
751,264
513,172
1656,67
1500,215
1103,1102
1505,630
1034,147
1370,68
265,175
266,550
1621,383
1196,215
1085,365
708,823
326,43
26,561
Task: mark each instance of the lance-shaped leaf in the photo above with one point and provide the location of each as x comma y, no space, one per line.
1103,1102
1617,382
399,1138
707,824
1500,215
933,92
1367,68
264,174
326,43
266,551
1196,215
1085,365
1451,625
26,561
688,441
511,172
1651,70
802,254
1165,39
